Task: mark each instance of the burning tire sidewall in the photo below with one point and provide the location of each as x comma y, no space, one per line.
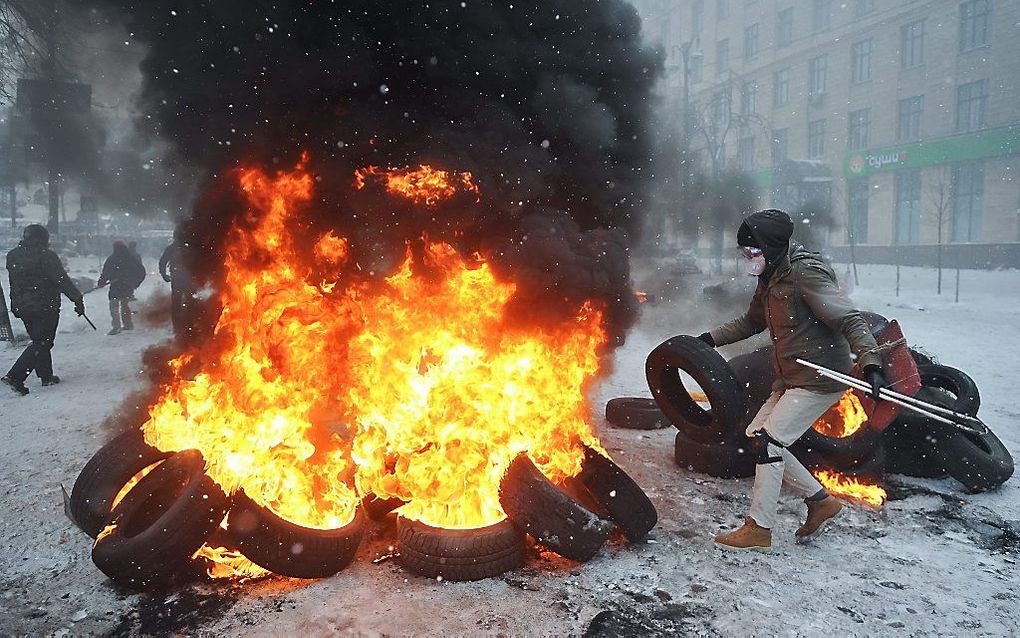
161,523
289,549
459,554
106,473
728,400
559,522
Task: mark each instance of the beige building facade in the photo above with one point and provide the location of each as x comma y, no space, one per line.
903,116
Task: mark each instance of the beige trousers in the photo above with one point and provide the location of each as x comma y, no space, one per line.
785,417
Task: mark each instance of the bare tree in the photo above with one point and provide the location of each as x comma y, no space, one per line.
24,25
940,199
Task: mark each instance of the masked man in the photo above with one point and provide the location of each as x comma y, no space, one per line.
807,316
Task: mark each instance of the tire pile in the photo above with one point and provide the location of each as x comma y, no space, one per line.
146,534
712,441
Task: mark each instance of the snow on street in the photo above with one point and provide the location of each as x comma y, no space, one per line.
934,561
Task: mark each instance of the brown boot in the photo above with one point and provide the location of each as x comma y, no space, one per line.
818,512
750,536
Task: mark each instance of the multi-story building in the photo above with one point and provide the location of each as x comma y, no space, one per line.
902,116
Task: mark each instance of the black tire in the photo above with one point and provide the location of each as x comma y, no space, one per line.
912,444
959,385
921,358
841,454
730,459
106,473
554,519
871,468
727,398
754,373
161,523
980,461
289,549
634,413
876,322
624,501
459,554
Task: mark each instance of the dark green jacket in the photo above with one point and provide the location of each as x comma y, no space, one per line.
37,279
808,318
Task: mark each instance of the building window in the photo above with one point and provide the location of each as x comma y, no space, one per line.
860,129
722,9
816,139
697,16
750,42
908,206
860,61
780,145
968,198
745,153
722,56
784,28
818,71
821,16
971,100
696,66
781,88
749,98
721,110
910,112
857,210
863,7
975,24
912,44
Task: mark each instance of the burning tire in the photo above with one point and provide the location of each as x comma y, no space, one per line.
625,503
377,508
729,459
634,413
161,523
106,473
815,450
728,400
957,383
537,507
459,554
912,446
289,549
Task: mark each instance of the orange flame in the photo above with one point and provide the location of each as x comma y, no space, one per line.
641,295
423,185
843,419
850,488
228,563
416,387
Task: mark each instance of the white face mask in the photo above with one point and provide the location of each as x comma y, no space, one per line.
756,266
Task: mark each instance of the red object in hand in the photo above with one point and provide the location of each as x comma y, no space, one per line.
900,371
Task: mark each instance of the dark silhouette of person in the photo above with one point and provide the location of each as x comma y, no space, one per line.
182,288
124,272
37,281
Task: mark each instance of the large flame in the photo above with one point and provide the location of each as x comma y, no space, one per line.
423,185
314,392
843,419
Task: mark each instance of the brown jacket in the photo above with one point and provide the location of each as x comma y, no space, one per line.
808,318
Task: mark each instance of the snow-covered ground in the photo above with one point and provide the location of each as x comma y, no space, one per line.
935,561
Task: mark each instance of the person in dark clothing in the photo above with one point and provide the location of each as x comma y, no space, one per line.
37,280
182,289
808,317
123,272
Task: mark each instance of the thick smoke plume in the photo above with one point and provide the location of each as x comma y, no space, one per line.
546,102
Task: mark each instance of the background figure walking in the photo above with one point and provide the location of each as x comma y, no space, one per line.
182,289
37,280
124,272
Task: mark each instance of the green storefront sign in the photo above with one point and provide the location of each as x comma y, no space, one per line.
959,148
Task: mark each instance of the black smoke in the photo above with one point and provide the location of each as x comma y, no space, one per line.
546,102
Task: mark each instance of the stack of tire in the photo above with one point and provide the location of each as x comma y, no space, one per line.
573,520
923,447
146,538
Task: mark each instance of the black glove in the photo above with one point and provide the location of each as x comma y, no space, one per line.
875,378
79,307
707,338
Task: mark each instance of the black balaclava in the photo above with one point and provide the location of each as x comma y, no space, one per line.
769,230
36,234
